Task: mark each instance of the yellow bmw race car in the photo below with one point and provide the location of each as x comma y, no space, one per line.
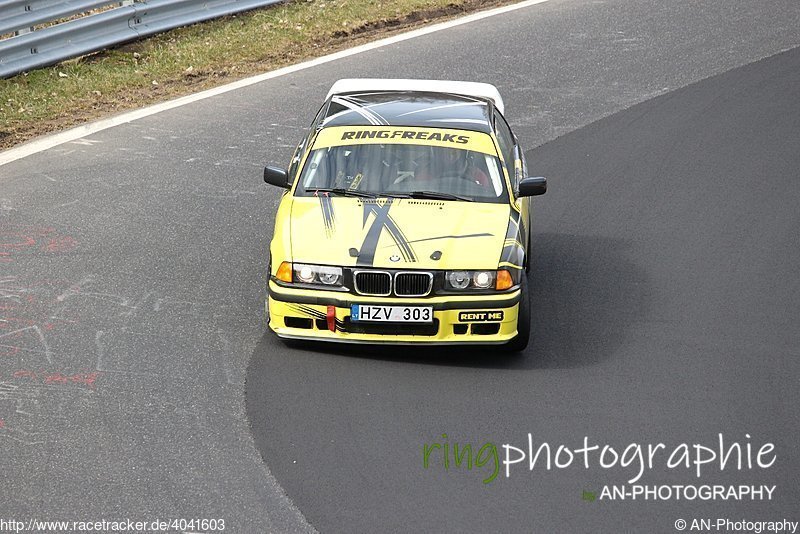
405,219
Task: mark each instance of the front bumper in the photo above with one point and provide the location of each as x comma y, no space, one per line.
303,314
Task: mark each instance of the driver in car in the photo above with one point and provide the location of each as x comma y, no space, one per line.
452,162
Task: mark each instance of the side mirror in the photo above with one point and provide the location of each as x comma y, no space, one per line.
276,176
532,186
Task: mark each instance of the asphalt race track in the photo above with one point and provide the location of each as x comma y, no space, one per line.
137,379
665,310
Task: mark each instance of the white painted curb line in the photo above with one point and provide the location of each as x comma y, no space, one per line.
44,143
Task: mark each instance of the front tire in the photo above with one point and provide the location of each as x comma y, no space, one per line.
519,342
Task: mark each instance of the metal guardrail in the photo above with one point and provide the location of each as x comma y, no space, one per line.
77,37
18,15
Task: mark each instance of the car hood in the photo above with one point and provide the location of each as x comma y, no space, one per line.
398,233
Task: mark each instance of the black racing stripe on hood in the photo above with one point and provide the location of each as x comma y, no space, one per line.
382,220
401,240
465,236
328,216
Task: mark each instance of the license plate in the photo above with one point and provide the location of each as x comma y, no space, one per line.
391,314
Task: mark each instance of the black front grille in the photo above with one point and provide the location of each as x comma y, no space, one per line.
297,322
373,283
392,329
485,329
412,284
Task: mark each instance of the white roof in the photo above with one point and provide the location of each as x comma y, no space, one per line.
476,89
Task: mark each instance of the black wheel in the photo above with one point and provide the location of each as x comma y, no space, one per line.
266,309
528,253
520,341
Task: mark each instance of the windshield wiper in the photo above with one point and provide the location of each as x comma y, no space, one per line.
341,191
437,195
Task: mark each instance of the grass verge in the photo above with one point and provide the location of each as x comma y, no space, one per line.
201,56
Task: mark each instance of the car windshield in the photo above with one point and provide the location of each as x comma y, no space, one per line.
403,169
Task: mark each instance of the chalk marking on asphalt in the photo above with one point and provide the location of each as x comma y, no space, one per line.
79,132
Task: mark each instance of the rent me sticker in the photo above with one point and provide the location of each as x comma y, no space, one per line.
476,316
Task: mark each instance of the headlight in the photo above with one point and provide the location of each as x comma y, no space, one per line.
317,274
458,279
482,279
478,280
